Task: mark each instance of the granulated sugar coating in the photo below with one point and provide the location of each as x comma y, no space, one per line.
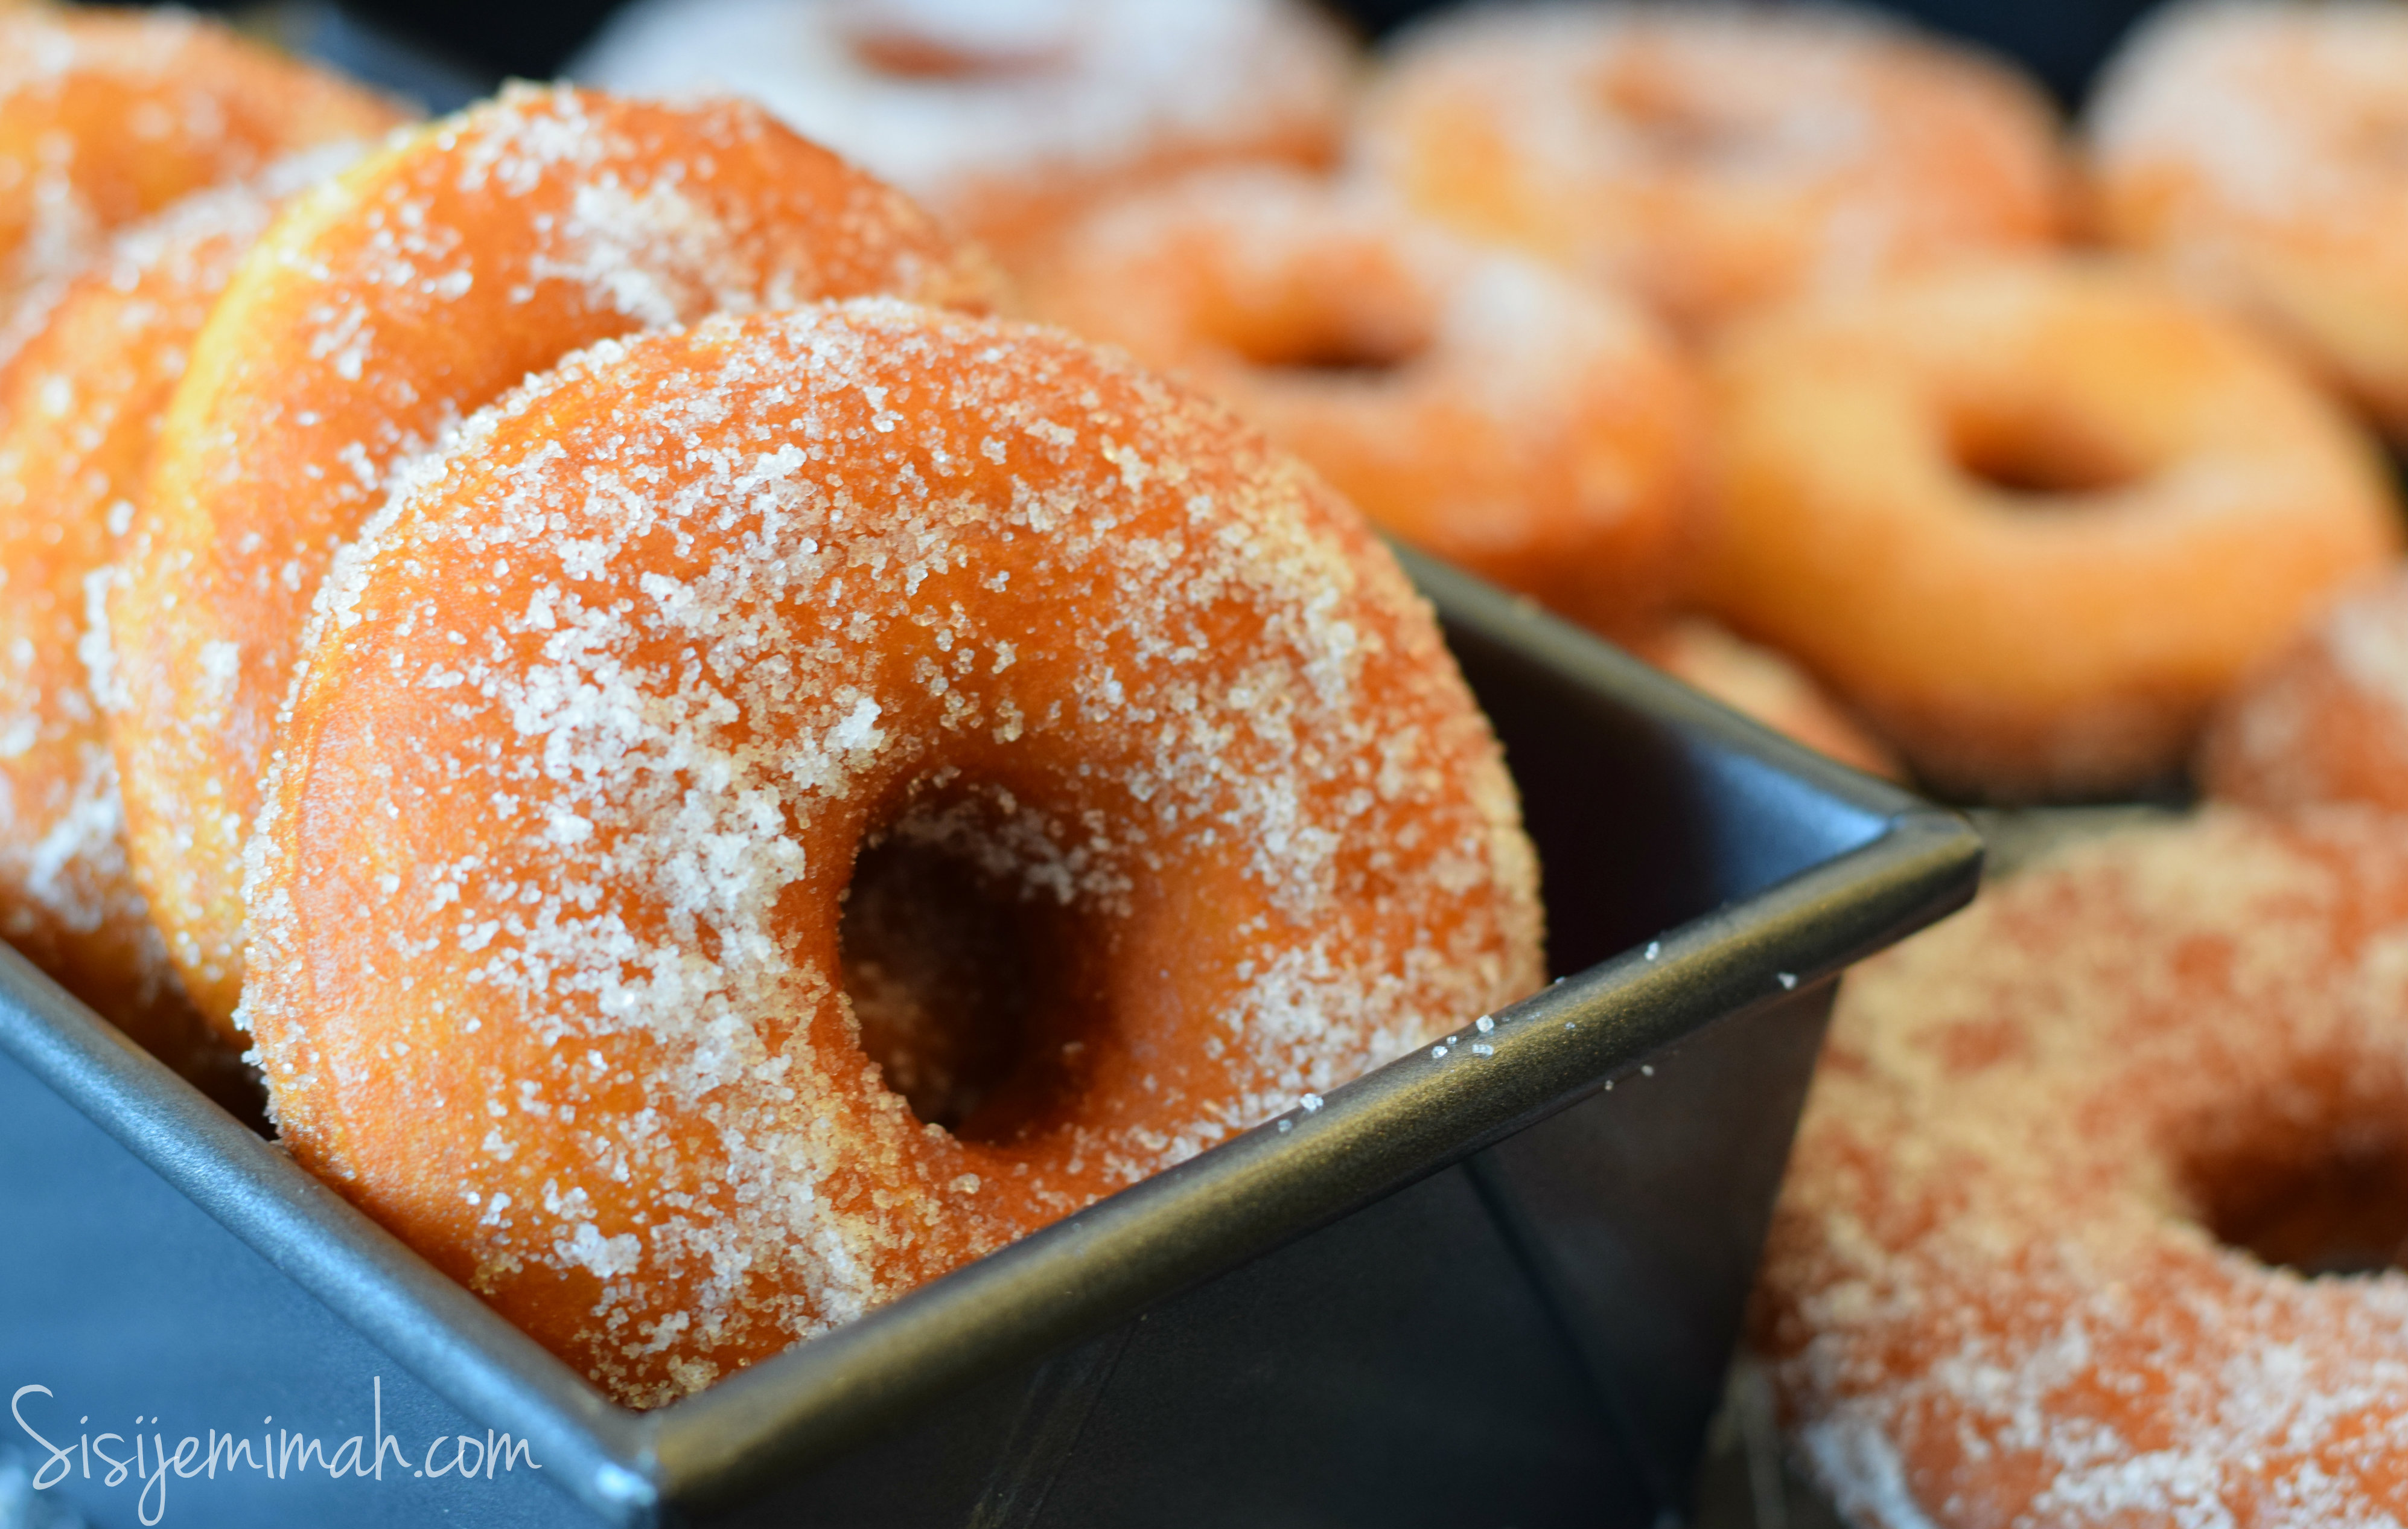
107,116
2257,148
545,901
1542,433
1995,1292
2326,721
1715,158
1006,116
374,316
79,408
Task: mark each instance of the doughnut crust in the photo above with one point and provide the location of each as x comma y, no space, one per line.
107,116
2030,519
2254,148
602,714
1992,1293
80,412
1007,120
1544,434
2326,721
1715,158
375,315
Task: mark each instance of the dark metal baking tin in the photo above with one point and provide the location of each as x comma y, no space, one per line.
1493,1283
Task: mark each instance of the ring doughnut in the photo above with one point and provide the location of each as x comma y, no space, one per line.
1712,158
376,313
1007,120
1543,434
2039,1255
80,409
2328,720
107,116
2031,520
1757,683
2256,147
997,597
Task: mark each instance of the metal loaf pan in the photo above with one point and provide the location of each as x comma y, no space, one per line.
1494,1283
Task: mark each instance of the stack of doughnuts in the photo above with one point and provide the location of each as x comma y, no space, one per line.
520,578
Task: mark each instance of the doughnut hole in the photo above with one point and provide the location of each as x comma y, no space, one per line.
2313,1178
939,61
1367,320
1485,408
943,44
964,979
2040,457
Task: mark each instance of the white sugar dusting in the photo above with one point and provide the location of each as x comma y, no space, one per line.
1991,1295
542,221
2326,721
2284,112
1637,135
1036,88
756,588
97,384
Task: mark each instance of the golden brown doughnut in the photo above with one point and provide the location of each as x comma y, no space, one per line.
1540,433
2044,1252
80,409
2255,149
603,713
372,317
1713,158
107,116
1008,121
1765,685
2326,721
2031,520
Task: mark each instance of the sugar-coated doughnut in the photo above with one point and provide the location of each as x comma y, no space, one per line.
1005,118
79,408
1758,682
107,116
2030,519
2042,1256
2255,147
2326,720
606,708
1499,414
375,314
1715,158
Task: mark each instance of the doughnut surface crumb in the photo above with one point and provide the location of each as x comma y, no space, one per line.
2038,1256
373,317
603,711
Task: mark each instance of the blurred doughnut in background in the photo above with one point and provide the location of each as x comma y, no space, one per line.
1758,682
2261,150
2032,518
2326,721
1715,158
1483,407
107,116
1005,117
